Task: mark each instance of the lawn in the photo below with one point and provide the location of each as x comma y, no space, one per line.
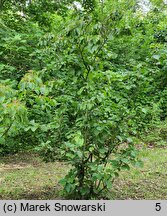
26,176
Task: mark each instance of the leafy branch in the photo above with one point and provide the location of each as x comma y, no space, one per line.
6,131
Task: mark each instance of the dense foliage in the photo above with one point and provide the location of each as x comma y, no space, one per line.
80,82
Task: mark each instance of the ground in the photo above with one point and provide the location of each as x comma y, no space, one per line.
25,176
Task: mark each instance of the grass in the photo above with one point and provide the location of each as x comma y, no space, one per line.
149,182
25,176
28,177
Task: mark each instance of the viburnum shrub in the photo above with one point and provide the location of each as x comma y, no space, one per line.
96,102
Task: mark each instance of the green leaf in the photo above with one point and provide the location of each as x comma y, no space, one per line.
125,167
157,57
109,184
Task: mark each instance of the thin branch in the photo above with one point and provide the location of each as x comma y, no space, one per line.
1,4
7,130
84,62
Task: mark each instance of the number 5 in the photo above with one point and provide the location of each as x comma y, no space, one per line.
158,207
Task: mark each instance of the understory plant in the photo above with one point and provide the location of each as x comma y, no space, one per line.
97,143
